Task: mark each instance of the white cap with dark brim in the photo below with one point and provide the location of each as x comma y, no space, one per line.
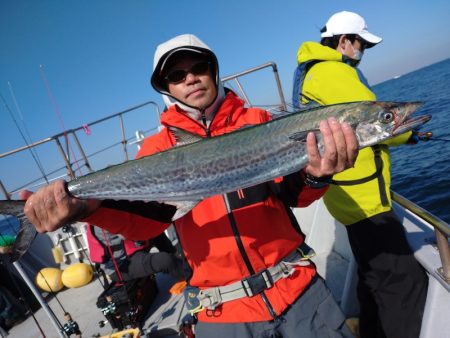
181,43
165,51
349,23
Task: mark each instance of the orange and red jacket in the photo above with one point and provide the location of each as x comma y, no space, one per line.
223,247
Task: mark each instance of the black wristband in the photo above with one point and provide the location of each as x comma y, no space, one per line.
316,182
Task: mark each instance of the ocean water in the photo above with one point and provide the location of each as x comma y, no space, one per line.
421,172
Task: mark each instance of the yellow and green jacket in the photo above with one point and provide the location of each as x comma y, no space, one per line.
362,191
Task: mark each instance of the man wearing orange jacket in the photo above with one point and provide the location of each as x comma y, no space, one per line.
248,261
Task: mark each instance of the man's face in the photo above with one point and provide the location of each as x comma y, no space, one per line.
348,48
190,81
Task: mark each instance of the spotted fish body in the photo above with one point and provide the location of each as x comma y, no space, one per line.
244,158
199,168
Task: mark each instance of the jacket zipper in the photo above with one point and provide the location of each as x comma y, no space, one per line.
208,132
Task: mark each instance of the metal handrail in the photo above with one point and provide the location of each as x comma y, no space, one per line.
72,132
444,227
441,230
254,69
49,139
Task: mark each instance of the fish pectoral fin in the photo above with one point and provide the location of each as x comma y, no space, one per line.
300,136
183,207
27,231
184,137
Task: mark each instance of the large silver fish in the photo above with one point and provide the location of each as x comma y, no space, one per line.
198,168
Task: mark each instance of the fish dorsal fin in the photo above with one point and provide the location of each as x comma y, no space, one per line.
280,114
183,137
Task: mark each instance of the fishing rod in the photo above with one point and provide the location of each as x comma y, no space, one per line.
58,115
17,285
19,289
51,315
428,136
30,141
111,307
64,330
439,139
122,283
99,273
70,327
38,163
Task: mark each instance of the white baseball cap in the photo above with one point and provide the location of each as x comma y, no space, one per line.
349,23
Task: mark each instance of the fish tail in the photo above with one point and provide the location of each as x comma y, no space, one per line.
27,232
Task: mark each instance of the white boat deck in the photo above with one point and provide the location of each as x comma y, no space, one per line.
79,302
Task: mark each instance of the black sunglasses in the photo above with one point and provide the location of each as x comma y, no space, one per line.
179,75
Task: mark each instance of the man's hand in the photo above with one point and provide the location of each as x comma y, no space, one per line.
167,263
5,249
341,149
51,207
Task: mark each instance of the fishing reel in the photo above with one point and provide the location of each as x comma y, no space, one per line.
67,229
187,326
417,136
133,315
71,327
102,323
109,309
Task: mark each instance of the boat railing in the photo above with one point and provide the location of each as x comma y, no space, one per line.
235,77
64,150
441,230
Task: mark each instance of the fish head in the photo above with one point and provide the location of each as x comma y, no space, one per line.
384,120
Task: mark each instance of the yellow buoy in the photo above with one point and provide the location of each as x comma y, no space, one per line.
49,279
76,275
132,333
57,254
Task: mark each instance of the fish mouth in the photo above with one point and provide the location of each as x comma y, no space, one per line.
410,123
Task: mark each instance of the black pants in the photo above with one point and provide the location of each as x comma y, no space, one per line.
392,285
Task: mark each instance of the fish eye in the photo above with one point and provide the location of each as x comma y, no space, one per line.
386,117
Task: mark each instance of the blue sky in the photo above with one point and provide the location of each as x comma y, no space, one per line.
97,55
